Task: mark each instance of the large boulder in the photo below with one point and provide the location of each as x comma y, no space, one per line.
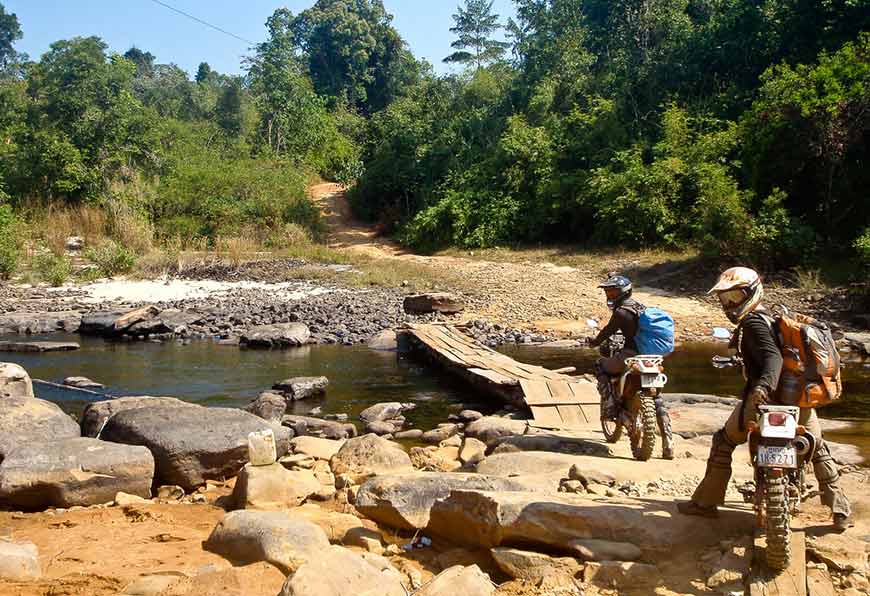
404,501
19,561
283,540
491,519
26,420
29,323
384,411
299,388
97,413
14,381
192,444
78,471
308,426
440,302
526,463
273,487
491,428
370,455
338,571
281,335
467,581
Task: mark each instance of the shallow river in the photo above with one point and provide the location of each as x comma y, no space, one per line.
207,373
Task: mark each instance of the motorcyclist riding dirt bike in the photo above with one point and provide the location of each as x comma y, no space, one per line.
629,382
784,384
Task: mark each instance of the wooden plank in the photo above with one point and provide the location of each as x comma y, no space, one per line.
536,389
546,417
494,377
586,393
572,416
819,583
789,582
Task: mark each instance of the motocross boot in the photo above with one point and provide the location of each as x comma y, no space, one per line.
664,421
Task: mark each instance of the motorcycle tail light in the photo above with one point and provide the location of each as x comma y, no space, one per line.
648,363
777,419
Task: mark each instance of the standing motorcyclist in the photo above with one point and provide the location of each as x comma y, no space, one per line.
740,291
626,312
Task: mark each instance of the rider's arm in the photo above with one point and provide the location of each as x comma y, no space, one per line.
760,347
617,322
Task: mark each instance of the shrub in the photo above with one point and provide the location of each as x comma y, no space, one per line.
862,247
53,269
290,235
10,249
111,258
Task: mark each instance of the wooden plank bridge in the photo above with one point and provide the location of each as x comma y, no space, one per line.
557,401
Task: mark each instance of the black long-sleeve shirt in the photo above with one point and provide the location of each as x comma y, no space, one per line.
762,358
624,318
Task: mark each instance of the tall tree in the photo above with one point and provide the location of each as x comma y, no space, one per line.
144,62
10,32
474,27
353,52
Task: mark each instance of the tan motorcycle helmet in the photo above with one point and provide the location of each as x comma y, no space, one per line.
739,290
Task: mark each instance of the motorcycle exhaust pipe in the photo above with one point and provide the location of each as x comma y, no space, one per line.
802,445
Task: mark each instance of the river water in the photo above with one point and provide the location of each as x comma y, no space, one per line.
210,374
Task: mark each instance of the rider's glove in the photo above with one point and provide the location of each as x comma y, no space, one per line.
758,395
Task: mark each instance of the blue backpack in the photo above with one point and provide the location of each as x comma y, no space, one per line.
655,332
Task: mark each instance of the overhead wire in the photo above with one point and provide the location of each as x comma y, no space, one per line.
202,22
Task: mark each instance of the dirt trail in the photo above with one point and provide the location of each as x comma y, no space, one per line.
537,296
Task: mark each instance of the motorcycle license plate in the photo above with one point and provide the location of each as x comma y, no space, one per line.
652,380
771,456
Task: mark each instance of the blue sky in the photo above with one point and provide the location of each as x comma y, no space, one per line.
171,37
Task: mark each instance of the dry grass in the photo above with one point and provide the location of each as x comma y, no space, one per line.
128,227
238,249
52,225
595,260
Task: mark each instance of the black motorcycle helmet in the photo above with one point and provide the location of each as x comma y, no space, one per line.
618,290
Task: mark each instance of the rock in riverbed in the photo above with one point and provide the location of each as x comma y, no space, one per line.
97,413
385,411
490,428
82,383
370,455
338,571
34,323
404,501
268,406
14,381
285,541
494,518
25,420
532,566
281,335
192,444
299,388
38,346
316,427
273,487
79,471
467,581
440,302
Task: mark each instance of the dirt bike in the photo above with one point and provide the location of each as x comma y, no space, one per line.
628,401
781,449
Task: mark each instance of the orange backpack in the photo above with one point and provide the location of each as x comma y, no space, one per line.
810,355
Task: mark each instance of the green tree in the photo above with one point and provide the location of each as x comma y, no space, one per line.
10,32
144,62
204,73
352,51
474,27
228,113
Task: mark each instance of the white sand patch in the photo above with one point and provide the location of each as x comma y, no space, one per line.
180,289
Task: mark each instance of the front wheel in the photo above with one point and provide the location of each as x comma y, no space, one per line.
778,526
612,429
643,439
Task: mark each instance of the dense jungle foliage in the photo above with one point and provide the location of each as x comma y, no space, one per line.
739,127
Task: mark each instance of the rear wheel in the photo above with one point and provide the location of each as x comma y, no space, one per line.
643,439
778,527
